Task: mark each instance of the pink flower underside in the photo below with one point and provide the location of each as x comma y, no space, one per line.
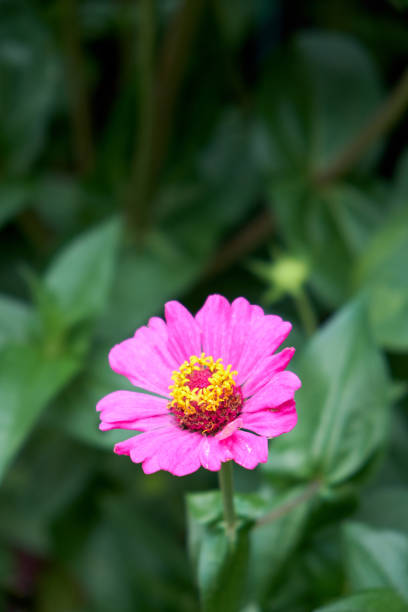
242,336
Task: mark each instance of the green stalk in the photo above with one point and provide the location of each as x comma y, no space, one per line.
378,124
227,491
78,88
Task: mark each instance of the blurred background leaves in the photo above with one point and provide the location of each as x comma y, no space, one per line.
155,150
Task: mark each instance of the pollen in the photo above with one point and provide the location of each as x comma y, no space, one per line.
205,396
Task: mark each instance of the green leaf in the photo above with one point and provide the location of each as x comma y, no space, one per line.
273,543
376,558
81,276
381,273
375,600
345,87
28,381
16,320
385,507
342,406
221,570
143,282
317,99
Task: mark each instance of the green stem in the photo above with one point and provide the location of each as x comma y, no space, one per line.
306,312
78,92
159,87
284,509
227,491
138,200
377,125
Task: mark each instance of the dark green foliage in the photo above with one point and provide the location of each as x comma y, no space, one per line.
243,135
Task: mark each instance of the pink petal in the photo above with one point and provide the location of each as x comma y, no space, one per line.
265,335
125,447
280,389
143,446
180,454
150,465
169,448
132,410
142,424
266,369
128,405
212,453
145,359
271,423
239,333
213,319
159,326
243,316
184,333
247,449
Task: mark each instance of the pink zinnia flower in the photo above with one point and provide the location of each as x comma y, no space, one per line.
220,391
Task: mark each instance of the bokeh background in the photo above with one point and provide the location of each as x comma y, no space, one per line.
168,149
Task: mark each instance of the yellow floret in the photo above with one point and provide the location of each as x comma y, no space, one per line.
220,385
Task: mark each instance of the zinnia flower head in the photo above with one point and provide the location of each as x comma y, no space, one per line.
220,390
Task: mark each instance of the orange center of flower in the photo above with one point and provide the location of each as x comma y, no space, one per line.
205,395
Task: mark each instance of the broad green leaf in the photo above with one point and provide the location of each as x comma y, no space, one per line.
376,558
221,571
16,320
205,509
143,283
316,99
81,276
381,272
29,379
273,543
375,600
30,73
342,406
345,87
385,507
